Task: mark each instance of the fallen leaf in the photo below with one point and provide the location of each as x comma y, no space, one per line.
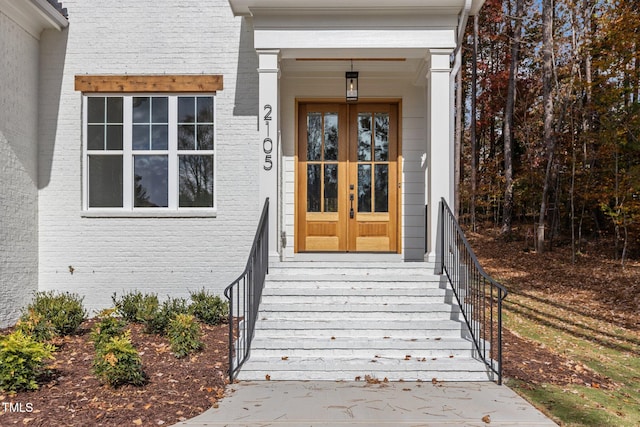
138,422
486,419
285,357
357,378
407,357
267,377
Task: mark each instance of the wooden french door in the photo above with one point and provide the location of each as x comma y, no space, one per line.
347,178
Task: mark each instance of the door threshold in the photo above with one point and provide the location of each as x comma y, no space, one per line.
345,256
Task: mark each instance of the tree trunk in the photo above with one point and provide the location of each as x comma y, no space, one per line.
547,99
507,212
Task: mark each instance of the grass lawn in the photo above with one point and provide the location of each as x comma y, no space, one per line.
586,314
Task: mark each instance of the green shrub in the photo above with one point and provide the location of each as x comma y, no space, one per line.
184,335
22,361
34,324
63,310
117,362
158,321
210,309
135,306
108,326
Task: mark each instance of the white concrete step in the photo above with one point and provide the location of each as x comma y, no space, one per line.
350,369
338,329
268,346
338,320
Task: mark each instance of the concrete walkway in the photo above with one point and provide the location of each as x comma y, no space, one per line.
328,403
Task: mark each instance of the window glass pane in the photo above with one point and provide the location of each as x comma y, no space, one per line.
331,188
150,186
141,110
364,188
105,181
196,181
95,109
382,188
382,137
314,136
205,137
95,137
114,109
160,110
160,135
140,137
364,136
331,136
186,137
114,137
205,109
313,188
186,109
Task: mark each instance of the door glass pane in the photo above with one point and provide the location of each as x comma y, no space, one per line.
196,181
314,181
382,137
331,188
364,136
331,136
105,181
314,136
160,135
150,185
114,110
160,110
364,188
382,188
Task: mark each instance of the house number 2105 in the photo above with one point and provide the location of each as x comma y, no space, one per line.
267,143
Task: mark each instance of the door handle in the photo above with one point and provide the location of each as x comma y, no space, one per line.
351,212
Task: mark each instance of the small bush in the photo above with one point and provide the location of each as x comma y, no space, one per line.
35,325
135,306
108,326
210,309
184,335
21,361
63,310
117,362
158,321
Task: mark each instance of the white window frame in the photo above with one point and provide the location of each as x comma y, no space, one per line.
128,209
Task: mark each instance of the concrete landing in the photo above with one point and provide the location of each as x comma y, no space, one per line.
327,403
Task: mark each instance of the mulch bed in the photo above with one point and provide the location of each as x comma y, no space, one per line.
178,389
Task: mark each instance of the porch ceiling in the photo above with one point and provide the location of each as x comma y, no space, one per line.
253,7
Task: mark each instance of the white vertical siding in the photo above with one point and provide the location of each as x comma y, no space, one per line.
18,169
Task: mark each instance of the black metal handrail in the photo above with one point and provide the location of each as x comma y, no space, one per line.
244,296
478,295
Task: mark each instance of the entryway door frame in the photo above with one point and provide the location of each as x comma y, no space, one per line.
341,221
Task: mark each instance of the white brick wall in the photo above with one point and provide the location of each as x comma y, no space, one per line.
18,169
169,256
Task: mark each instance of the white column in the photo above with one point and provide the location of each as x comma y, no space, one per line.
439,148
269,129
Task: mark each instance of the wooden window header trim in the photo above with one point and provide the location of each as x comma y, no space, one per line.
148,83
